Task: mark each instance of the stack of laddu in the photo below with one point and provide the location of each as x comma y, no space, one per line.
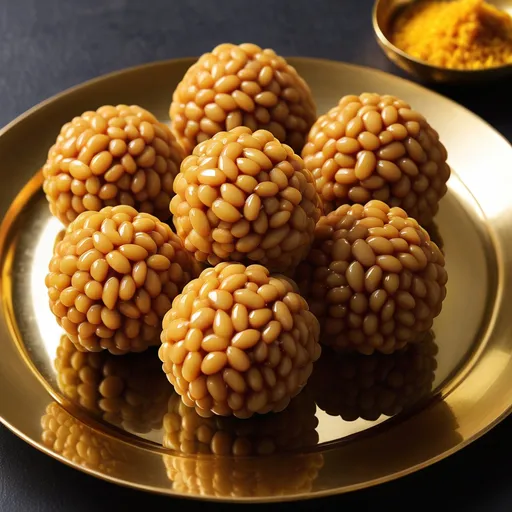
290,231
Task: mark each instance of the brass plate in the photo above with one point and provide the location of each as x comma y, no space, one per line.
443,400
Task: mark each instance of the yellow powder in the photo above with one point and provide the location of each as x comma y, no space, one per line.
459,34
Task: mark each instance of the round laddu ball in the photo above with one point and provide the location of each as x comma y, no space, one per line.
377,147
108,157
359,386
294,428
246,197
242,86
113,277
78,443
238,341
373,278
131,392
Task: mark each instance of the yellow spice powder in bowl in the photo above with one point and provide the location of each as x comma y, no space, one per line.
460,34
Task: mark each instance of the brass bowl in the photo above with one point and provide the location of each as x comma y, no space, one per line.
384,14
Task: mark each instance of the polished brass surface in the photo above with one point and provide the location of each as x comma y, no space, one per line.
384,14
396,414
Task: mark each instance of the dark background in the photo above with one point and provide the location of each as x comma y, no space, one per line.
49,45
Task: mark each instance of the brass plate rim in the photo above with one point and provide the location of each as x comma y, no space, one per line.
318,493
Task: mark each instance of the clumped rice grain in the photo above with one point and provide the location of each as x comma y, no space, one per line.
373,278
244,196
113,277
238,341
377,147
112,156
242,85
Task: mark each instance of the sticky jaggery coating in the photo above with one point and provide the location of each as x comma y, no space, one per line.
359,386
113,277
78,443
377,147
244,196
373,278
187,432
238,341
112,156
131,391
242,86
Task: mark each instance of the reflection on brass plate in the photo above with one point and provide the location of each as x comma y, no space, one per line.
130,392
118,418
356,386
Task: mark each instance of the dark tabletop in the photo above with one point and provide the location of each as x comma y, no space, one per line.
49,45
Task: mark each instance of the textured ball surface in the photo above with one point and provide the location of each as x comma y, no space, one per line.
244,196
131,391
373,278
238,342
112,156
242,86
377,147
78,443
359,386
187,432
113,277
